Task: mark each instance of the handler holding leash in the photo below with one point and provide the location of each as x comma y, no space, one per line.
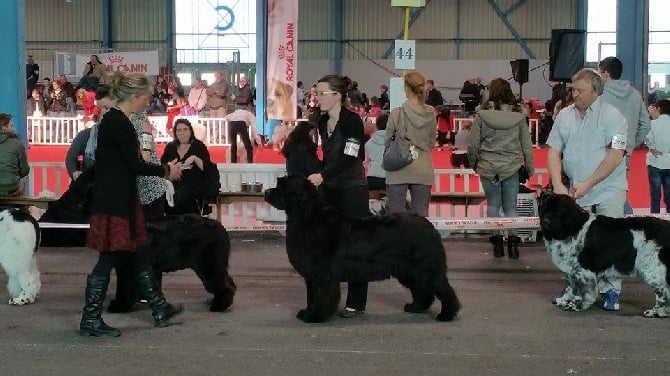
591,135
343,176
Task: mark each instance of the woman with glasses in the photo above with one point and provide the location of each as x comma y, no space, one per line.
342,178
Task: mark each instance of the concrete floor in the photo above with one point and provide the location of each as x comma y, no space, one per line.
507,325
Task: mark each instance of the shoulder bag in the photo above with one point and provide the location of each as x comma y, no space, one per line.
397,154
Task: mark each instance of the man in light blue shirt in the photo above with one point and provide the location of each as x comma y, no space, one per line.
591,136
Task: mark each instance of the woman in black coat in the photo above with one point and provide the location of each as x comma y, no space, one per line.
117,227
300,151
194,157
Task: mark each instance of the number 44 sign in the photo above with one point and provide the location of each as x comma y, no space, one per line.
404,54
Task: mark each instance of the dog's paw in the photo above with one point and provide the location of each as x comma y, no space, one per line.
309,317
656,313
413,308
445,317
20,301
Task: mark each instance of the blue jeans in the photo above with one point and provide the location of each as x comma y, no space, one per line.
501,195
658,178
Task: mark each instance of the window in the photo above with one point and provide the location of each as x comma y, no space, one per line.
214,31
659,43
601,30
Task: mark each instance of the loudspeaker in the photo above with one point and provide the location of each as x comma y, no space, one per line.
567,52
520,70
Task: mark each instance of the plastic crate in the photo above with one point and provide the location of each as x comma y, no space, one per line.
526,206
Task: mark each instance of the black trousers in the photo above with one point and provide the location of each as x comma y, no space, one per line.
235,128
352,201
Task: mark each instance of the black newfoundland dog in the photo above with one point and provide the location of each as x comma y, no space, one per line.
327,248
584,244
175,243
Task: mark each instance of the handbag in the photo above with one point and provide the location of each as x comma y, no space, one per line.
397,154
523,174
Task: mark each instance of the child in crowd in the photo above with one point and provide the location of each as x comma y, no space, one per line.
374,154
459,156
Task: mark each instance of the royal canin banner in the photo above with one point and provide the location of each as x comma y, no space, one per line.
132,61
282,59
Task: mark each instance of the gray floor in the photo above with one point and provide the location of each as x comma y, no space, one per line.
507,325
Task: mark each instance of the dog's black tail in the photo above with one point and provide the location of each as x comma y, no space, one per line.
450,303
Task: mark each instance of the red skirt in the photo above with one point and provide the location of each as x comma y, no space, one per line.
109,233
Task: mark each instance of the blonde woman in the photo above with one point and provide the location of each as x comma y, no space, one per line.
417,119
117,227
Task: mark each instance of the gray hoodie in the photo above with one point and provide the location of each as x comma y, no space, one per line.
500,144
628,101
374,153
421,126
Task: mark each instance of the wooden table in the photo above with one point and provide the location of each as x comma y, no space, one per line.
24,202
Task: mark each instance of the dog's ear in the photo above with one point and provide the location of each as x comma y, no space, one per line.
560,216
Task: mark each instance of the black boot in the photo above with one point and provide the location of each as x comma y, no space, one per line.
498,247
513,246
162,311
91,321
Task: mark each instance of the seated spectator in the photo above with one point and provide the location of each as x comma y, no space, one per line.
159,96
37,106
93,75
13,159
81,154
58,104
300,151
374,154
194,186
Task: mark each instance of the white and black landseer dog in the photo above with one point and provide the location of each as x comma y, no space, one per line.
327,248
584,244
175,243
19,239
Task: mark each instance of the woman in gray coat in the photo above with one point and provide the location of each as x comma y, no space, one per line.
419,123
499,145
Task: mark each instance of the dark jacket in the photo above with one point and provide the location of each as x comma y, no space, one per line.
76,152
301,158
243,96
13,162
339,169
193,177
117,164
434,98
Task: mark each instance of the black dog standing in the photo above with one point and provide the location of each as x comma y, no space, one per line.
326,247
343,176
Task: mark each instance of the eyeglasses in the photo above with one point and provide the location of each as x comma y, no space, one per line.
322,93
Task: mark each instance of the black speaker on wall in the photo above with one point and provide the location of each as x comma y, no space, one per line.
520,70
567,52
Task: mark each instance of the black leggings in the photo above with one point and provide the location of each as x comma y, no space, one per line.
123,260
235,128
352,201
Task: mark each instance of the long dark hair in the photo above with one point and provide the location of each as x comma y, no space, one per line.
190,127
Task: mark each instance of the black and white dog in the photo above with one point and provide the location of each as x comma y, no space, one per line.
19,239
583,244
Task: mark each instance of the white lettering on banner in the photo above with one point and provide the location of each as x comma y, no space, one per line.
282,59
